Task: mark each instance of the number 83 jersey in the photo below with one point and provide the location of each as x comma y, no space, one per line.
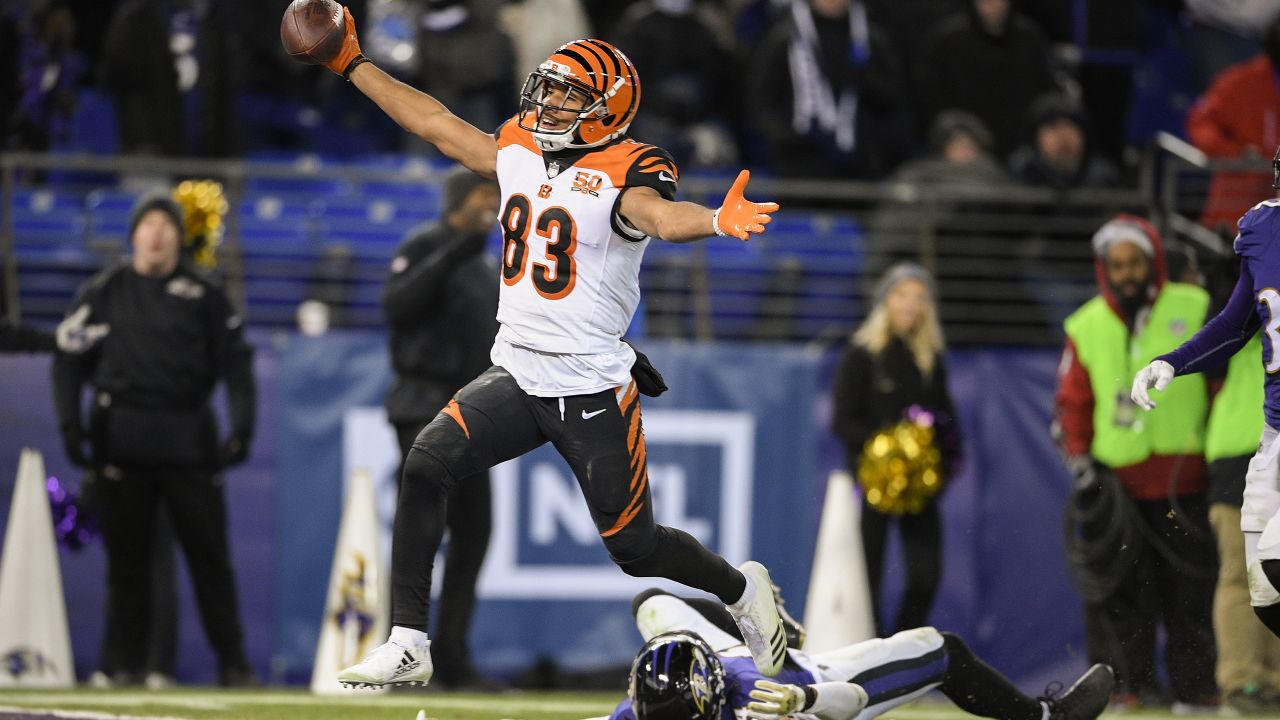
570,264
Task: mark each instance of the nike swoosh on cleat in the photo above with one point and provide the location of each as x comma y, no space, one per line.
588,415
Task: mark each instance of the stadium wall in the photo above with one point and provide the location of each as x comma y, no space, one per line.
739,452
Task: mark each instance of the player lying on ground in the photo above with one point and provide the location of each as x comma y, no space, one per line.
694,667
1254,304
580,202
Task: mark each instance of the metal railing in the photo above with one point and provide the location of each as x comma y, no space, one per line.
1011,262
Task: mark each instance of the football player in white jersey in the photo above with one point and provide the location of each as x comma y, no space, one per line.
580,202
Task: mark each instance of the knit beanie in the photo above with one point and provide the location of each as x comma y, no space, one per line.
458,184
904,271
155,200
1121,230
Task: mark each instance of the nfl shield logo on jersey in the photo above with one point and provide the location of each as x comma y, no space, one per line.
553,169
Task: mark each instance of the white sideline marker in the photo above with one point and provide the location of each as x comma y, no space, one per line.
35,647
357,591
837,611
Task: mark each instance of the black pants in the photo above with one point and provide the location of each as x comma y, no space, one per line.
922,547
127,506
1178,592
469,519
162,646
492,420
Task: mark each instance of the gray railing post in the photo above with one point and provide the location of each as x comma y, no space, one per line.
8,245
235,248
929,233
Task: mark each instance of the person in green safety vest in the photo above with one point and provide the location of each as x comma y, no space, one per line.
1141,474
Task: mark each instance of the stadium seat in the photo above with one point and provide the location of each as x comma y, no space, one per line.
367,224
108,214
47,219
276,225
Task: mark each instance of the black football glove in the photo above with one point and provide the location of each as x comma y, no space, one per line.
648,380
233,451
73,438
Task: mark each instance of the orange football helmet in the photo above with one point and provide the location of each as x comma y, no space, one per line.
588,80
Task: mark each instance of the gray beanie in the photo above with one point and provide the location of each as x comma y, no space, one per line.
155,200
458,184
904,271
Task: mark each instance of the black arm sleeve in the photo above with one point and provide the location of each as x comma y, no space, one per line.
949,439
24,338
851,413
410,292
234,361
71,370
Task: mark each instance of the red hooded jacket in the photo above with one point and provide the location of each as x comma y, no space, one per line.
1149,479
1241,109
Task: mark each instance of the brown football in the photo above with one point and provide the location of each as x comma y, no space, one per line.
311,30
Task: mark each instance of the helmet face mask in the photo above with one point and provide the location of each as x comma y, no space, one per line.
549,93
584,95
677,676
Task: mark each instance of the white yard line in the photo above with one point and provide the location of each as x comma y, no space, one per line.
502,705
75,714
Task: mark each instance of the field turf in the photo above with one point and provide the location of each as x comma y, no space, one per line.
274,704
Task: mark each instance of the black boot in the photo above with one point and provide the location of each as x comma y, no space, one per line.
1086,699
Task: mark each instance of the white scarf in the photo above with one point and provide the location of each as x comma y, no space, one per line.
814,99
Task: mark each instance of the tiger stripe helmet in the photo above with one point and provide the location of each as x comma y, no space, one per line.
598,83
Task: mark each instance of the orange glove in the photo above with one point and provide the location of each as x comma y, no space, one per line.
350,49
739,216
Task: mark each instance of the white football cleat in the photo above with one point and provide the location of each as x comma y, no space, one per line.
758,620
391,663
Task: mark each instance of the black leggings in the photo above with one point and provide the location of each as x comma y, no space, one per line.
922,549
492,420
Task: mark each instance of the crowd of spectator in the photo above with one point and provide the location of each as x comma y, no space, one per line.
1056,93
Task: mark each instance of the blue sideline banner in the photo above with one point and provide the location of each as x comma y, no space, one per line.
724,465
739,450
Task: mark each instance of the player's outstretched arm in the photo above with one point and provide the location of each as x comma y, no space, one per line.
1220,338
414,110
679,222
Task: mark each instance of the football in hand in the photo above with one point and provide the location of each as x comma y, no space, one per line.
312,30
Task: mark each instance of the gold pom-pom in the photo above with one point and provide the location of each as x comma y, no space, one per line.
203,207
901,468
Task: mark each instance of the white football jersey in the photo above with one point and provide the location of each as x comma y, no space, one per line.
570,266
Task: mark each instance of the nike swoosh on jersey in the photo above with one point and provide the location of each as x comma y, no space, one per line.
662,175
588,415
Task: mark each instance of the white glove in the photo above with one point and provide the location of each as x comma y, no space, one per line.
76,336
775,700
1157,375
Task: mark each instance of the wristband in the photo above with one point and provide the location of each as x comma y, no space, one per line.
810,696
355,62
715,223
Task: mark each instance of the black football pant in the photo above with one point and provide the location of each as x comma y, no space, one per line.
1177,591
492,420
127,506
469,518
921,535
